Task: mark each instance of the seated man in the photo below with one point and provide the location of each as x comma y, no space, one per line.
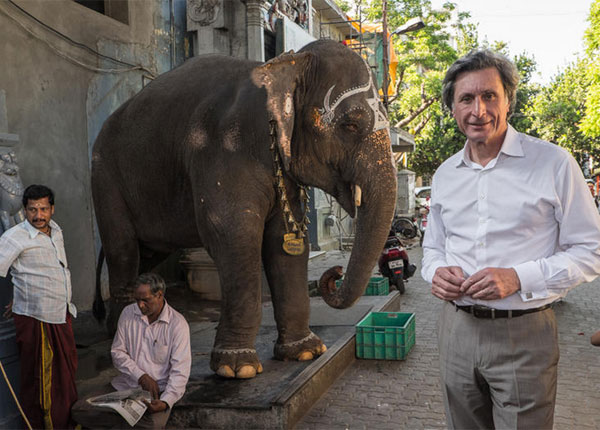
151,349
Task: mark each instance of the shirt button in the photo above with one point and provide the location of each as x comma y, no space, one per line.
482,220
482,196
480,244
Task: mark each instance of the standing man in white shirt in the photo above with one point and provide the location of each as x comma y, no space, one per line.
512,228
151,350
42,310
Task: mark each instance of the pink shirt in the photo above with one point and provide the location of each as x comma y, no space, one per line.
161,349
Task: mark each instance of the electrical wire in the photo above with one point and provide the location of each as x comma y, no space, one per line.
15,397
81,45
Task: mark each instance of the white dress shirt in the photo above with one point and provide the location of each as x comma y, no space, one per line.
161,349
40,274
528,209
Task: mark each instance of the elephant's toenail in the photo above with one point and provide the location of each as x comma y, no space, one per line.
225,372
246,372
305,356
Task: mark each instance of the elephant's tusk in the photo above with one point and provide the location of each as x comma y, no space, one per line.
357,195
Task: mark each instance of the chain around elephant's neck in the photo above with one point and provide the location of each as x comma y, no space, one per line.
293,241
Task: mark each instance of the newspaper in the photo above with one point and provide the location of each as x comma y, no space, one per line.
128,403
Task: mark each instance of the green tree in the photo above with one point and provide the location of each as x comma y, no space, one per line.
424,57
558,110
590,124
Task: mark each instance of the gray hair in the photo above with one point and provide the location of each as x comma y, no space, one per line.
154,281
477,60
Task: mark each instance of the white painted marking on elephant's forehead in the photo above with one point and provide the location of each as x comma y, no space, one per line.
198,139
379,119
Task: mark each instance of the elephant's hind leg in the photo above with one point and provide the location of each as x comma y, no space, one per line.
119,242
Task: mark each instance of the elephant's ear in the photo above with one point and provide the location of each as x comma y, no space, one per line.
280,77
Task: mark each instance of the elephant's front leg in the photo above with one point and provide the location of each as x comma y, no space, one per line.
237,256
287,276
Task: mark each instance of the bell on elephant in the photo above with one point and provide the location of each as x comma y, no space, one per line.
216,154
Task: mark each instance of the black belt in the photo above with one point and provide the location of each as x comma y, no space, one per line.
479,311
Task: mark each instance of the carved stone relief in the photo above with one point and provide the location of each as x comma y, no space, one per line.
11,187
204,12
295,10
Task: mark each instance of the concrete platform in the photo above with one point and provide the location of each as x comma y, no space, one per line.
281,395
275,399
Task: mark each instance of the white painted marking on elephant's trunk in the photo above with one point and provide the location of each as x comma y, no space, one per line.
357,195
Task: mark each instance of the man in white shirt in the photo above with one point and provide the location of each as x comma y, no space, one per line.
151,350
512,228
35,253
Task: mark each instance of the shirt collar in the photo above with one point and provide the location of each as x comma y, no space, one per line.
165,315
33,232
511,146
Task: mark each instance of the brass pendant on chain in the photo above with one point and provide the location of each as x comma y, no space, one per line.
292,244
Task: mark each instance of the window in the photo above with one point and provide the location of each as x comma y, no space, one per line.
116,9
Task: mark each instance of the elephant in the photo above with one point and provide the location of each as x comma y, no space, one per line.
216,154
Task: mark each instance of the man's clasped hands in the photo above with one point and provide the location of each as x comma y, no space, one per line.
450,283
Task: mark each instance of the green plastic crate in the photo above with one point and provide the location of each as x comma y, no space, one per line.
377,286
385,335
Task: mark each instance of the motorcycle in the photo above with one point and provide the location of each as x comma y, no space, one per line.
422,222
393,262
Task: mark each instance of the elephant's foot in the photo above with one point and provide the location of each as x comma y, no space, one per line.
308,355
235,363
301,350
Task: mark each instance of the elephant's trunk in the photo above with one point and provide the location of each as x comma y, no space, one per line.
374,217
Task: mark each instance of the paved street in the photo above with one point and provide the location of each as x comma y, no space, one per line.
405,394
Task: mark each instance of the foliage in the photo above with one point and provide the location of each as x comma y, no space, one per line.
567,111
592,33
423,58
590,124
557,111
526,91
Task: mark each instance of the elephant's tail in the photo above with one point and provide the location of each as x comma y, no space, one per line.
98,308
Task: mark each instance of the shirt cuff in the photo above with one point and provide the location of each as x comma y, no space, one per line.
533,285
169,399
429,272
137,374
